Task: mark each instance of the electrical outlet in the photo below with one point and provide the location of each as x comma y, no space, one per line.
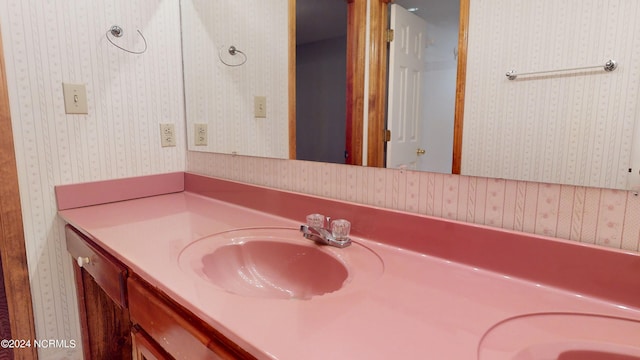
200,134
167,135
75,98
260,106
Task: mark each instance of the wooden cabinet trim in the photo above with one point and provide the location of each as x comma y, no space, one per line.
145,348
175,328
107,271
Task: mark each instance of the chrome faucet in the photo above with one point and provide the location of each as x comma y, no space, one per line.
317,229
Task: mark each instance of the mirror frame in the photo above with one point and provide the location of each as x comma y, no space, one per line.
377,94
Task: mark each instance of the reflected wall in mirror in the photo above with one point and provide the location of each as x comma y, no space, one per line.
214,93
321,62
222,96
574,128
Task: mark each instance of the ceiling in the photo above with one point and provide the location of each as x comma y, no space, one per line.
442,13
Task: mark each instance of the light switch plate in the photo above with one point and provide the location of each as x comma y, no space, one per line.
260,106
200,134
167,135
75,98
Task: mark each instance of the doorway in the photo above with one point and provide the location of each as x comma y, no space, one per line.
376,135
365,137
321,71
439,21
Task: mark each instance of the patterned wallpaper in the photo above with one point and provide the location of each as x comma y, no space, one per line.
572,127
603,217
222,96
50,42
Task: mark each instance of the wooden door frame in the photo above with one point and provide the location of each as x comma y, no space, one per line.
461,80
355,102
292,78
378,58
12,246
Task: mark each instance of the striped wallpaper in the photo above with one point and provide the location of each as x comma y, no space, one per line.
47,43
50,42
223,96
570,127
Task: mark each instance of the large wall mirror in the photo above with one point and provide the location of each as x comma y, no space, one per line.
573,127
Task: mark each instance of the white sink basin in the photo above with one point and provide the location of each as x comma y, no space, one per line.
277,263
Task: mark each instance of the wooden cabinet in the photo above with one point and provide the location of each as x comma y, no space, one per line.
179,332
123,317
102,299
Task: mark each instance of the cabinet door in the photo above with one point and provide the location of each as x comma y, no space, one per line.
104,318
144,348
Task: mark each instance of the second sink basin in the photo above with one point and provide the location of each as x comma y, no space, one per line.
277,263
562,336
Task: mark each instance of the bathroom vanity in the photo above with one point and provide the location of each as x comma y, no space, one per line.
124,316
187,266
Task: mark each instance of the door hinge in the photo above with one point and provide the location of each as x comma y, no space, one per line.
389,35
387,135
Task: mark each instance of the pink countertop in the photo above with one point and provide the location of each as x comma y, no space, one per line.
421,307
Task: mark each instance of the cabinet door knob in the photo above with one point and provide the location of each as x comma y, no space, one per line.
421,151
82,261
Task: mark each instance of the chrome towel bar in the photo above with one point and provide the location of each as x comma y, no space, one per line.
608,66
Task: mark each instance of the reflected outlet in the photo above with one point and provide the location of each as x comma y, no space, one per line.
200,134
260,106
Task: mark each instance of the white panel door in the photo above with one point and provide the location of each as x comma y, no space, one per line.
406,61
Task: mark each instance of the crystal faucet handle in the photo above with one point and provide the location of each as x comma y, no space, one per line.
340,229
316,220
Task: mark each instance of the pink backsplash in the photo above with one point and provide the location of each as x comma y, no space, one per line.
604,217
73,196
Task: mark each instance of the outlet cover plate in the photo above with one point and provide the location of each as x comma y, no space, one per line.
167,135
260,106
200,134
